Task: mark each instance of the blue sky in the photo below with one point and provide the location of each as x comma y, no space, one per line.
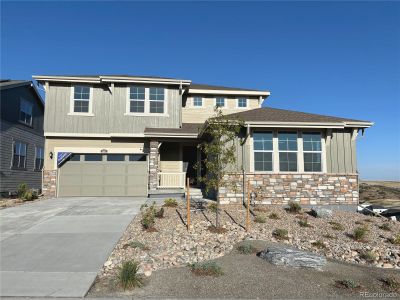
334,58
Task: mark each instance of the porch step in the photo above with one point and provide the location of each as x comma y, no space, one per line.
195,194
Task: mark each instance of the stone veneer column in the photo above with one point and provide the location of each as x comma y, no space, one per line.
49,188
153,162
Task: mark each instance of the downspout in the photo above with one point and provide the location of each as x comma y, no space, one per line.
243,160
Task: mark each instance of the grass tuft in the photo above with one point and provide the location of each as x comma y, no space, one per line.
274,216
336,226
347,284
280,234
170,202
360,233
304,222
392,283
294,207
246,248
395,240
128,275
208,268
385,227
260,219
368,256
212,207
319,244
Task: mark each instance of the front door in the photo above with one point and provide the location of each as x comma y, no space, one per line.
189,158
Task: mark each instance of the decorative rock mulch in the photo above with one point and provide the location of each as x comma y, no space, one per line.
171,245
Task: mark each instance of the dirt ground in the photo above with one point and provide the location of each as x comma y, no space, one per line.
386,193
250,277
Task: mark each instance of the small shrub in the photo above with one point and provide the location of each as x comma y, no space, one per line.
260,219
304,222
148,218
347,284
319,244
208,268
29,195
385,226
170,202
139,245
274,216
395,240
128,276
368,256
212,207
143,206
336,226
294,207
214,229
360,233
160,213
392,283
280,234
22,189
246,248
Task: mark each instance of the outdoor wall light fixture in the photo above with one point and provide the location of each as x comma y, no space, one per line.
51,155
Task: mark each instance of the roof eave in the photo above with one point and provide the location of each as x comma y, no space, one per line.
338,125
228,92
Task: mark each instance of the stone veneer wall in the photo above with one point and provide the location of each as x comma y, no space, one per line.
311,189
153,165
49,183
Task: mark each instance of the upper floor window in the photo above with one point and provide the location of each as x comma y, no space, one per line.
156,100
242,102
19,155
287,142
25,112
137,99
39,158
263,151
220,102
81,99
312,151
197,101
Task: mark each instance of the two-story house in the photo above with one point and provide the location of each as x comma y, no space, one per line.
21,135
138,136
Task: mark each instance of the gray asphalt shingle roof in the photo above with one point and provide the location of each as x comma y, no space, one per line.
8,82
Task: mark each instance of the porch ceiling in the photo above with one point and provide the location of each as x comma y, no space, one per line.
188,130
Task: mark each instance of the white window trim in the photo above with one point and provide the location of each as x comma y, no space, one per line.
240,107
265,151
146,112
275,154
72,103
215,102
202,102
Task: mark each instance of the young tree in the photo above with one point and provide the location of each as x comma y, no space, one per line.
219,147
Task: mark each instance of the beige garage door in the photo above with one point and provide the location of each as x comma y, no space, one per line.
103,175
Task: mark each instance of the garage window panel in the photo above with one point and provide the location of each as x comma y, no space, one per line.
116,157
137,157
93,157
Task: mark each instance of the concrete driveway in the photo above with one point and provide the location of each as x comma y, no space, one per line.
55,247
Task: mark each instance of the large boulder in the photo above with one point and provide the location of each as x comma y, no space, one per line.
285,256
320,212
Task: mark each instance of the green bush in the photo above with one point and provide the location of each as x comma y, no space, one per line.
385,226
208,268
260,219
148,218
274,216
347,283
128,276
360,233
170,202
336,226
368,256
294,207
160,213
280,234
212,207
22,189
246,248
29,195
392,283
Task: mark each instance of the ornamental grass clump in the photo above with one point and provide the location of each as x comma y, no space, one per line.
208,268
246,248
128,275
319,244
392,283
385,227
139,245
395,240
170,202
260,219
294,207
280,234
368,256
336,226
304,222
347,284
360,233
274,216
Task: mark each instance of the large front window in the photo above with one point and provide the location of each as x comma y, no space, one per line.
81,99
19,155
312,151
263,151
146,100
287,142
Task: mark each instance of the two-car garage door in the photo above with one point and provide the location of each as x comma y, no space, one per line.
103,175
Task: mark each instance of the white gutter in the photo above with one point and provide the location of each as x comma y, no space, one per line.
228,92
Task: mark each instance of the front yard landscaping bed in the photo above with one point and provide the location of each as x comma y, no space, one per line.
170,245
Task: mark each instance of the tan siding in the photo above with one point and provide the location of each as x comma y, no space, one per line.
191,114
341,153
108,112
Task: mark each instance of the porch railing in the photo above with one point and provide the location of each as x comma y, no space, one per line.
171,180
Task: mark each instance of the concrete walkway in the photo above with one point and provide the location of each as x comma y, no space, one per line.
55,247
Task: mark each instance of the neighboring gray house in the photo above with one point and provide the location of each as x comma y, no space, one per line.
138,135
21,135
